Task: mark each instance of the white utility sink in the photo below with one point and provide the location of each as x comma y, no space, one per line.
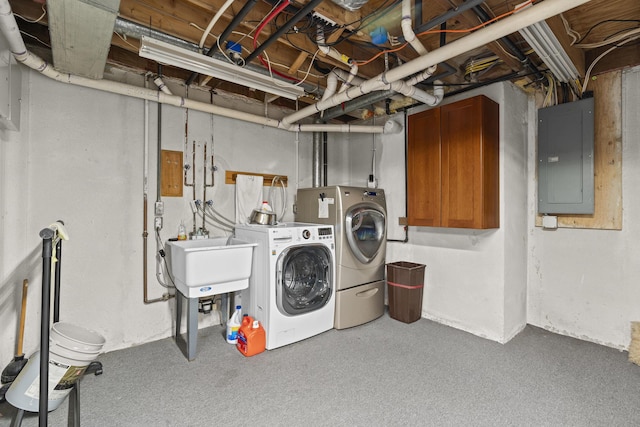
204,267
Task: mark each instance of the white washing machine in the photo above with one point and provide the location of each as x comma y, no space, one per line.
291,289
359,217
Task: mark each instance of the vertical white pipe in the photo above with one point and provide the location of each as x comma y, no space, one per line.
407,30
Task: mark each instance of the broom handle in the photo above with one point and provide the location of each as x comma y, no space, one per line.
23,314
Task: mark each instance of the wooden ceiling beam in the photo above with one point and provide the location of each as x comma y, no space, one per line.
627,55
469,19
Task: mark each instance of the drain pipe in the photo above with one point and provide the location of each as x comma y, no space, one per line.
333,53
374,97
479,38
36,63
451,13
316,160
407,31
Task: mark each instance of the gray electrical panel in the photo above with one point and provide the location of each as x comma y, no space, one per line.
565,158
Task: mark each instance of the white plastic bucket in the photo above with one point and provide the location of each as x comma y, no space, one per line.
71,349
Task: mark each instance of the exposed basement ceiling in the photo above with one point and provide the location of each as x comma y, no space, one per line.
85,36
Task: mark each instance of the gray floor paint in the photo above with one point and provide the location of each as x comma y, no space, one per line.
384,373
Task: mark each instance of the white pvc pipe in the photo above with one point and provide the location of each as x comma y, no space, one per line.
502,28
407,30
332,84
420,95
333,53
161,85
347,128
9,28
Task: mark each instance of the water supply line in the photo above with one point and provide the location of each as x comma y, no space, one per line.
278,179
479,38
204,183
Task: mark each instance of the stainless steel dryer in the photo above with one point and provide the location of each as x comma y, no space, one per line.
359,219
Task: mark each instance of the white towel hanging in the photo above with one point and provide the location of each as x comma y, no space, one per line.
248,196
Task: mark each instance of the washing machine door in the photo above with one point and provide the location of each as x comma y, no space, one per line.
365,227
304,279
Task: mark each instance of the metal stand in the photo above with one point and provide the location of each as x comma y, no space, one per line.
188,345
48,235
192,324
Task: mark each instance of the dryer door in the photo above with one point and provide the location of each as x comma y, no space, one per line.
365,230
304,279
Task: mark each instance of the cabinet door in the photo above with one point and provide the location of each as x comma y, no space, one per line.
423,169
470,163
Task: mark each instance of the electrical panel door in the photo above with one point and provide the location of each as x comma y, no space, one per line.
565,158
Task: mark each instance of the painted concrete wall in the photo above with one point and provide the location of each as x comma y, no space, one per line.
475,279
586,283
471,275
581,283
79,158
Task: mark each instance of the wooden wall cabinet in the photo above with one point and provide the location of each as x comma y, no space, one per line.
453,165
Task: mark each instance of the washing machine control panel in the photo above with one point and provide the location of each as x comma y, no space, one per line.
325,233
306,234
